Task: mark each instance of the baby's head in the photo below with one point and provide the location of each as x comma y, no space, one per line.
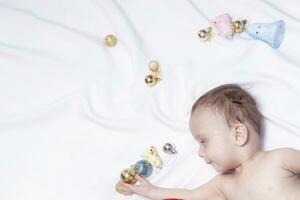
226,122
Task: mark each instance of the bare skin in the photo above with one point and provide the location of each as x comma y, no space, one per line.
246,172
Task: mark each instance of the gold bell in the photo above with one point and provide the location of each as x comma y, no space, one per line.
128,175
110,40
151,80
154,66
205,34
239,26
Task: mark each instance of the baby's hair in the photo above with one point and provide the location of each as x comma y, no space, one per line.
236,104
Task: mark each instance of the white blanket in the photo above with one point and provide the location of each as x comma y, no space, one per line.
74,112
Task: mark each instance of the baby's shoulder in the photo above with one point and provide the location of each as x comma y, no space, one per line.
277,155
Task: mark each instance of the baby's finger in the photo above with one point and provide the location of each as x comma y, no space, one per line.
127,193
139,178
129,187
125,185
123,190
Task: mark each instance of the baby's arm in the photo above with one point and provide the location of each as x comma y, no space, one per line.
209,191
290,159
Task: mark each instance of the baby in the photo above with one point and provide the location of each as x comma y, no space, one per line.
226,123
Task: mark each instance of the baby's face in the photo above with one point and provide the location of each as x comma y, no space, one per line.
216,143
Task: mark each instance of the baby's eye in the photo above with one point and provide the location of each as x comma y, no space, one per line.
202,141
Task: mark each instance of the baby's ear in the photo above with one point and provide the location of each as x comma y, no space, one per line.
240,134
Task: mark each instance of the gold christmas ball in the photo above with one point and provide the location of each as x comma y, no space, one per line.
110,40
127,175
154,66
239,26
205,34
151,80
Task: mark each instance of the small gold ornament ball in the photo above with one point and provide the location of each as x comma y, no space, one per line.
154,66
205,34
127,176
150,80
239,26
110,40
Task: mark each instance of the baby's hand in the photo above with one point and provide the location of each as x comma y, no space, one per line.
123,190
142,187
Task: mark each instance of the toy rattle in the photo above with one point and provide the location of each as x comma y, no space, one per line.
142,167
271,33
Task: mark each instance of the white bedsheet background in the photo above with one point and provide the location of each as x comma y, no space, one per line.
74,112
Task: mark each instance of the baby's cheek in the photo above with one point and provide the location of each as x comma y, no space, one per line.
213,156
221,156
